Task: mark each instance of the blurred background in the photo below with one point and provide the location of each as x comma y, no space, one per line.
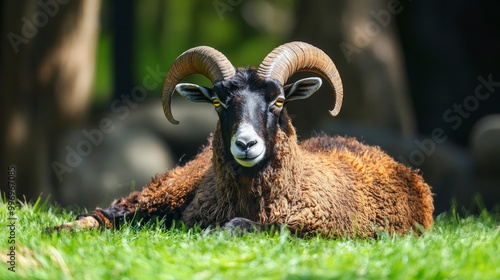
81,81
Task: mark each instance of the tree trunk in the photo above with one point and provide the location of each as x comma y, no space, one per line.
47,75
123,19
368,56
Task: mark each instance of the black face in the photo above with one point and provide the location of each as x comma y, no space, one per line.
250,112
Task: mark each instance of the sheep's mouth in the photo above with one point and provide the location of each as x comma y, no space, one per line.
249,160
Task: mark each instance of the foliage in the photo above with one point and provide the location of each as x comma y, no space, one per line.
164,29
457,248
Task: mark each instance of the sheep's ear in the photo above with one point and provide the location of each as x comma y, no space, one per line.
194,92
302,89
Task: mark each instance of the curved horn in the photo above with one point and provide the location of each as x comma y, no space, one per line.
199,60
287,59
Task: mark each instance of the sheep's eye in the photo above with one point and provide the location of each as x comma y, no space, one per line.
216,102
280,102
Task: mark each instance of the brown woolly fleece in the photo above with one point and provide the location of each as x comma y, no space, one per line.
333,186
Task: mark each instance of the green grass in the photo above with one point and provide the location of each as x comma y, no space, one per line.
457,248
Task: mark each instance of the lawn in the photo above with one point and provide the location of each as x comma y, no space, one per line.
457,248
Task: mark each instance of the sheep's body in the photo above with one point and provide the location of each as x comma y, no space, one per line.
358,191
254,173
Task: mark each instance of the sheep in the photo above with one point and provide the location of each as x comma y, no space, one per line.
254,173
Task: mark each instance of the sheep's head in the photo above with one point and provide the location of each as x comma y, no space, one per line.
250,102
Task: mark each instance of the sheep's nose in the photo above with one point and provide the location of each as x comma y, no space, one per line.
244,145
247,147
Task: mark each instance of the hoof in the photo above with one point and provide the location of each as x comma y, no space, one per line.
239,226
87,222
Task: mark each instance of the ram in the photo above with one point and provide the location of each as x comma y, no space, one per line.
254,173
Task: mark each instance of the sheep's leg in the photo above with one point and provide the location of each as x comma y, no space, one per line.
165,197
238,226
120,210
241,225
